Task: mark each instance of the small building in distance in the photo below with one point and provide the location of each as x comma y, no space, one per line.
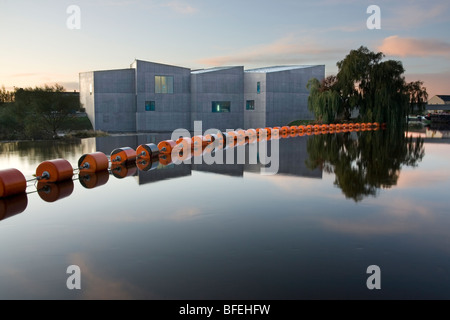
154,97
439,104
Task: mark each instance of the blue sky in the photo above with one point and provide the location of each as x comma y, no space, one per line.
38,48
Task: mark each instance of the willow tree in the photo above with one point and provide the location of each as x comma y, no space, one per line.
323,100
369,85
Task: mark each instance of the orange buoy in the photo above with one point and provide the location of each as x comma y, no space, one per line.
93,162
251,134
147,164
293,130
91,180
51,192
350,126
232,134
147,151
284,130
13,205
184,143
199,141
54,170
12,182
123,155
166,146
211,138
301,128
269,130
165,159
124,170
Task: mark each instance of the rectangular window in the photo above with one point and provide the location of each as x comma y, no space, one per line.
220,106
149,105
258,87
163,84
250,105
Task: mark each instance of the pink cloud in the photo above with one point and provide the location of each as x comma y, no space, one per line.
412,47
287,50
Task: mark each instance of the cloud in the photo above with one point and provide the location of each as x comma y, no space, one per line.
413,47
287,50
409,16
180,7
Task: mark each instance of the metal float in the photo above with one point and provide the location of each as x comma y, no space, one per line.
54,171
122,156
93,162
12,182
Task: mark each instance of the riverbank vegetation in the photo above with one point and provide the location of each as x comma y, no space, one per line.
42,113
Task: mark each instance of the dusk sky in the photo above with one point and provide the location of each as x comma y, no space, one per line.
37,47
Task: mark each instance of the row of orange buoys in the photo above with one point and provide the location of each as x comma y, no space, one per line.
55,181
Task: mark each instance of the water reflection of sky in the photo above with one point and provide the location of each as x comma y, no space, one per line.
213,236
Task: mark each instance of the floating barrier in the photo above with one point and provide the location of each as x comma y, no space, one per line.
252,135
121,171
54,171
12,182
91,180
13,205
55,181
165,159
122,156
166,146
51,192
93,162
147,151
147,165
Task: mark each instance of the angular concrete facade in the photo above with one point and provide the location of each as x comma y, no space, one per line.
153,97
210,88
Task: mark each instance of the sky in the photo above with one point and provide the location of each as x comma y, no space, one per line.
46,42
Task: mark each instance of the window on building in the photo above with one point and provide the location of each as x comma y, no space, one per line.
220,106
90,89
250,105
258,87
163,84
149,105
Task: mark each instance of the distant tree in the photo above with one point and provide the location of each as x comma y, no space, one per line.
323,100
418,97
6,96
47,109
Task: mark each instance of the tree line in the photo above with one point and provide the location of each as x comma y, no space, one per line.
374,88
36,113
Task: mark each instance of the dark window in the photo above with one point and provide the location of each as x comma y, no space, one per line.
258,87
250,105
220,106
149,105
163,84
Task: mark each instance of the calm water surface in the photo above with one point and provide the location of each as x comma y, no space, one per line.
339,203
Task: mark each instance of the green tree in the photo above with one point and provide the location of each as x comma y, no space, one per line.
47,109
324,100
375,88
418,97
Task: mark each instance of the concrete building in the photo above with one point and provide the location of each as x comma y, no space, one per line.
153,97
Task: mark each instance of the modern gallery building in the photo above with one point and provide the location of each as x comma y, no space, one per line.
154,97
